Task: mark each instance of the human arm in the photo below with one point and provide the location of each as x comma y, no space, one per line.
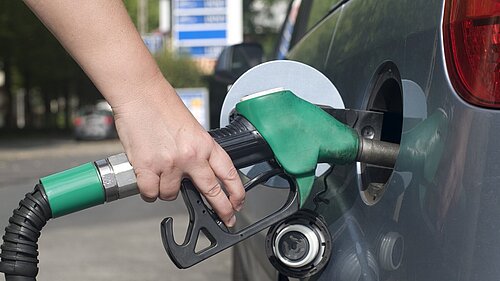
163,141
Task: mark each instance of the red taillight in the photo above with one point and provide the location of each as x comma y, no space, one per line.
78,121
472,44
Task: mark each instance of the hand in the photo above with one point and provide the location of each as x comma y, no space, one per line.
165,143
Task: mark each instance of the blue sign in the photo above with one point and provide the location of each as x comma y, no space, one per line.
191,4
203,34
202,28
201,19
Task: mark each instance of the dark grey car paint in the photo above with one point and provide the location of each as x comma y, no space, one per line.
443,202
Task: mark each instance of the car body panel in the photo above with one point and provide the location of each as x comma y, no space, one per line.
317,42
443,195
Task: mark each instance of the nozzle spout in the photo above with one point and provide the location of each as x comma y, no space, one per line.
378,153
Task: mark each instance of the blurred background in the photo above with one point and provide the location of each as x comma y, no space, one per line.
43,89
53,118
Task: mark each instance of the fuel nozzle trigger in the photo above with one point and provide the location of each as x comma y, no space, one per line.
203,220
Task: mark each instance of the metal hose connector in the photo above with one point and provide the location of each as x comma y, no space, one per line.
18,258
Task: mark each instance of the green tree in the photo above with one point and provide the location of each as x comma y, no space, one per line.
32,59
257,31
153,12
180,71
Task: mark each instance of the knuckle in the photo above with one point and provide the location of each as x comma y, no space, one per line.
232,174
188,152
214,191
238,194
209,140
167,159
146,161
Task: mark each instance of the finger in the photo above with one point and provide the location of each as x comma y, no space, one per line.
204,179
224,169
170,183
148,183
148,199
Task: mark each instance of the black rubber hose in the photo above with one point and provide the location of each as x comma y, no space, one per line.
18,259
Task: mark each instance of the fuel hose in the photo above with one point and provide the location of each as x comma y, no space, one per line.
20,249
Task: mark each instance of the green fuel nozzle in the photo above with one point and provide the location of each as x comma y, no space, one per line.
301,135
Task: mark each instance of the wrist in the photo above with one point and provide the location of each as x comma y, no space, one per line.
154,90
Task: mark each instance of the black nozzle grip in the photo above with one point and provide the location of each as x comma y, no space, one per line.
242,142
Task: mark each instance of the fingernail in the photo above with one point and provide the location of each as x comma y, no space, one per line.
232,221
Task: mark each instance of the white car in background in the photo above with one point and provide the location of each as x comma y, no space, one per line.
95,122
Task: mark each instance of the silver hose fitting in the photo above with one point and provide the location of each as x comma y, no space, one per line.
117,176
